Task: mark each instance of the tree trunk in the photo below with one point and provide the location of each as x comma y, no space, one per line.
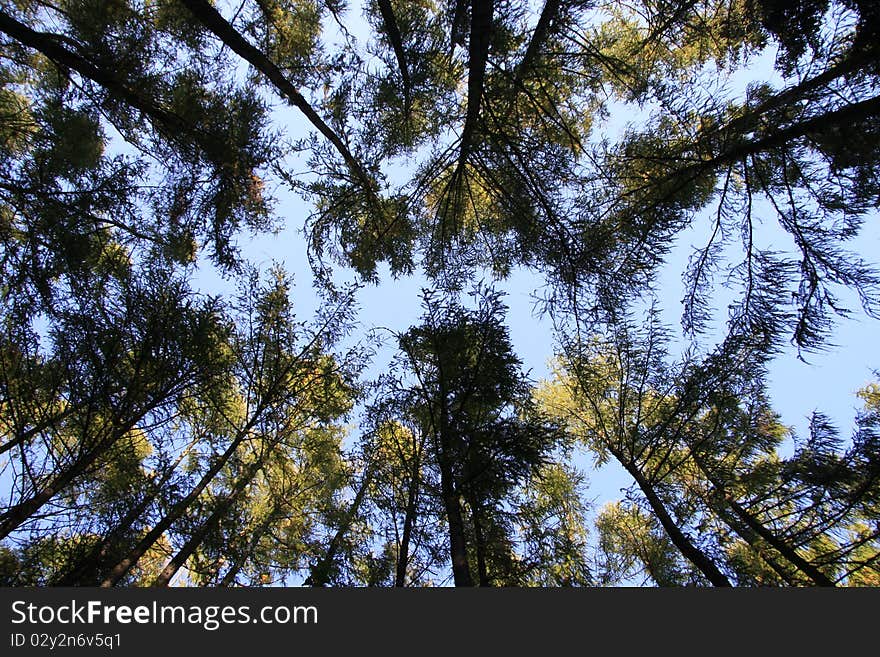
788,552
217,514
256,535
206,14
539,37
24,435
760,529
392,31
844,116
690,551
50,46
177,511
478,56
16,515
457,542
409,519
480,541
320,572
461,573
754,542
91,562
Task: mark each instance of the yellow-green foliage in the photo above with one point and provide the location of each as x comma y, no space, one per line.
870,394
633,541
866,556
16,122
122,463
292,29
647,47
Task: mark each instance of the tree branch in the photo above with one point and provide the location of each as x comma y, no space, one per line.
214,21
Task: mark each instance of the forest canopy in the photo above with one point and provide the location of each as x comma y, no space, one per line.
155,432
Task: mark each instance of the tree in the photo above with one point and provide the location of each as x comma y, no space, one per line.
289,390
700,441
632,541
261,400
472,437
403,491
703,158
152,433
115,369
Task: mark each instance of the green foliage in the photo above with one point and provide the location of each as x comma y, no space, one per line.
631,541
701,442
150,432
552,517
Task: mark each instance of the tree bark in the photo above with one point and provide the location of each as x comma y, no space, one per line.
256,535
451,499
320,572
18,514
459,23
24,435
457,544
843,116
478,55
392,31
539,37
409,517
754,542
480,544
788,553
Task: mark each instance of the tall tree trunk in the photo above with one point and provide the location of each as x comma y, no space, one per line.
320,572
480,543
690,551
478,56
16,515
850,64
760,529
459,24
538,40
206,14
392,31
217,514
461,573
176,512
457,543
50,46
767,554
409,518
24,435
841,117
256,535
92,561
